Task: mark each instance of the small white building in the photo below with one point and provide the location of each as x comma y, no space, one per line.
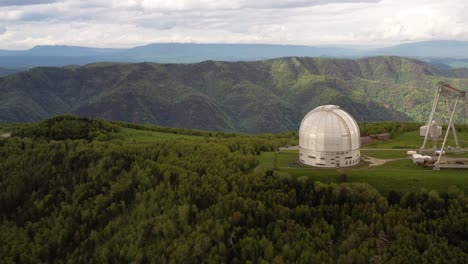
422,131
329,137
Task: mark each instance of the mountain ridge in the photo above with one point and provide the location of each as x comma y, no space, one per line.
255,97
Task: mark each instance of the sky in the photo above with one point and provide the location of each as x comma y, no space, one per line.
128,23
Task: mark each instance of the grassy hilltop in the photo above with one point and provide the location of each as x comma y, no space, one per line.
85,191
256,97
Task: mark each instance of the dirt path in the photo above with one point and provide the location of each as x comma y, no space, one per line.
289,148
377,162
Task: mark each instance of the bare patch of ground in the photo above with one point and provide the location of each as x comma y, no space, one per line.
374,161
6,135
378,162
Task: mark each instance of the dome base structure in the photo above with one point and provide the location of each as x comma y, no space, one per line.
329,137
329,159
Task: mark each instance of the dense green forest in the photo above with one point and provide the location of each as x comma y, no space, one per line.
95,199
67,127
267,96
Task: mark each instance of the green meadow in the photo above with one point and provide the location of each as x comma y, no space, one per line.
412,140
397,174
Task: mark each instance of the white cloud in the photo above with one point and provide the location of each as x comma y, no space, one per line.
119,23
179,5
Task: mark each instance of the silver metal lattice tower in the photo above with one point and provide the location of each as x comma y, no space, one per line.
452,98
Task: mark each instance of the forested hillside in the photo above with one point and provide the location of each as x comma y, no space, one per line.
9,71
255,97
92,200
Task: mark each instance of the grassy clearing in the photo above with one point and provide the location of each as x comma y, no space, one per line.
267,159
404,176
412,140
140,136
457,155
399,175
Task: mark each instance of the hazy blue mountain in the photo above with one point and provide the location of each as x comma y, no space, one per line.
162,52
178,52
56,56
27,61
70,51
443,54
10,53
60,51
430,49
448,62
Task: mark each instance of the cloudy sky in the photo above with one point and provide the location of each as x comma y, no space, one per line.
126,23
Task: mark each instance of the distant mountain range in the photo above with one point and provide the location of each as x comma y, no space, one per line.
255,97
441,53
431,49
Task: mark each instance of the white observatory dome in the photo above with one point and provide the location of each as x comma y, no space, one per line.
329,137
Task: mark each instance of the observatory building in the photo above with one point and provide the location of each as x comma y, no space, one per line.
329,137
